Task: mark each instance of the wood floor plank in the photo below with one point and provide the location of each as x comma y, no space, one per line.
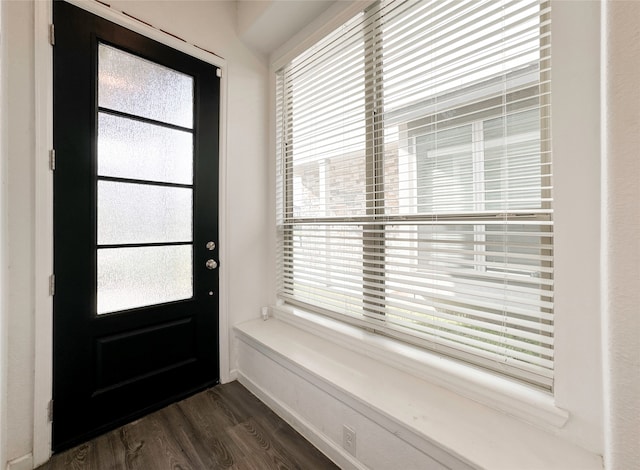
159,445
90,455
303,454
108,451
259,461
239,398
225,427
210,442
210,421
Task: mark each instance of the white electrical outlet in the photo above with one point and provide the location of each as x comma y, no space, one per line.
349,439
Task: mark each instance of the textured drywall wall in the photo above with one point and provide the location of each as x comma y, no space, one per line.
621,229
19,113
3,243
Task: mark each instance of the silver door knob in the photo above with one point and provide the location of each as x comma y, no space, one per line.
211,264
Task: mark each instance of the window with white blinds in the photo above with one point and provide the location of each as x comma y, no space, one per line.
414,179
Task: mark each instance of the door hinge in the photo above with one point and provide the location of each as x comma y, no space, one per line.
52,35
52,285
50,411
52,159
219,73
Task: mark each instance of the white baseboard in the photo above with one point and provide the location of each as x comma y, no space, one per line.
338,455
21,463
232,376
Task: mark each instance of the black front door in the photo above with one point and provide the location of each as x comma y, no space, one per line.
135,225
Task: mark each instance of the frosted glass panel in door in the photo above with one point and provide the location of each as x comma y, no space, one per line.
142,276
133,85
143,213
132,149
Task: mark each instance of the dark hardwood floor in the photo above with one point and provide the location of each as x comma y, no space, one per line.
225,427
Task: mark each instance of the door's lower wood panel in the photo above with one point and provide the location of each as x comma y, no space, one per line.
132,355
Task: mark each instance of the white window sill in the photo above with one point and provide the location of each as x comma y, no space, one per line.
533,406
471,415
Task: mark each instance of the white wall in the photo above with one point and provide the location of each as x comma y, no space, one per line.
3,242
621,226
210,25
575,115
19,68
265,25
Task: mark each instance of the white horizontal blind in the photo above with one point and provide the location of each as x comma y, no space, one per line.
414,179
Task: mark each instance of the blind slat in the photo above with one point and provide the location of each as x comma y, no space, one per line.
414,182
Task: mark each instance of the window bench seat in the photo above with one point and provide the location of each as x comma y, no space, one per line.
401,421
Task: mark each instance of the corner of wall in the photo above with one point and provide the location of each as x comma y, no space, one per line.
576,114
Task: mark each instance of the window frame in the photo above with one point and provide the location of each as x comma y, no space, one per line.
373,233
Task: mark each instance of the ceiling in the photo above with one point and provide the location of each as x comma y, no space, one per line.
265,25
